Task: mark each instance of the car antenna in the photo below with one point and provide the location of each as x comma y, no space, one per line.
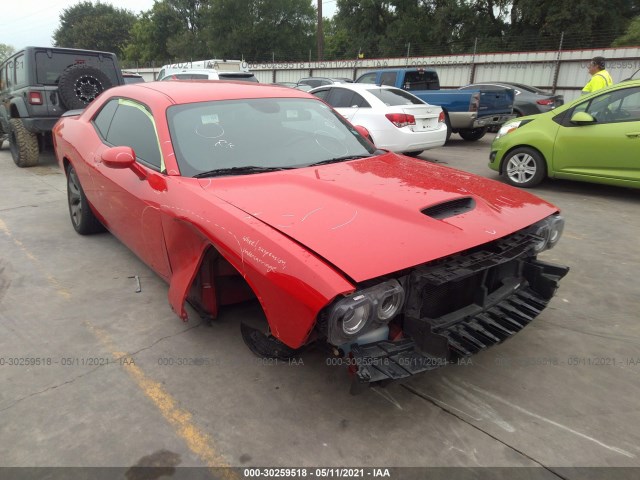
631,77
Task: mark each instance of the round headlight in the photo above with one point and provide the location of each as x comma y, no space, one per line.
389,305
355,319
557,227
543,231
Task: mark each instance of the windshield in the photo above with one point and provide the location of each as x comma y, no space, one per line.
275,133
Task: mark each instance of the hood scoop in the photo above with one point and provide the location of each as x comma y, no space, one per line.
450,208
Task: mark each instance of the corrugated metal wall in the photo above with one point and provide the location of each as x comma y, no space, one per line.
562,71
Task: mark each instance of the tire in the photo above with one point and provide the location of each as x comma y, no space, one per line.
524,167
23,144
473,134
82,218
413,154
448,123
80,84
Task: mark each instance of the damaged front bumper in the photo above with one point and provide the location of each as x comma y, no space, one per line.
458,308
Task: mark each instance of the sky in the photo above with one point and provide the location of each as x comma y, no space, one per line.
32,22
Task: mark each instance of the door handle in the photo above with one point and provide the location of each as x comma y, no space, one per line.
633,134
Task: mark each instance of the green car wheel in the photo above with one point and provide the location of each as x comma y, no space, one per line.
524,167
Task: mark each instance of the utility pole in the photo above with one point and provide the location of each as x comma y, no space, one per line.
320,35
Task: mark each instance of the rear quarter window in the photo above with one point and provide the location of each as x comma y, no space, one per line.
20,71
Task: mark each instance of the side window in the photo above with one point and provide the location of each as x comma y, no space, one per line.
102,121
322,94
617,106
388,78
20,72
10,81
630,106
368,78
340,98
359,101
2,77
199,76
133,126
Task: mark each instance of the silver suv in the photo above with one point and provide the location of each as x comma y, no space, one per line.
38,84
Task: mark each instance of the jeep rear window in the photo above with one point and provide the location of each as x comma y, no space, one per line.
50,67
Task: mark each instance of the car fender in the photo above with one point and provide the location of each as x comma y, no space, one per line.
291,283
540,139
18,108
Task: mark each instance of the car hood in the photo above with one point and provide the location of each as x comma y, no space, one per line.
365,217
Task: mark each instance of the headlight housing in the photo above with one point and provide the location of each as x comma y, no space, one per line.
363,311
510,127
549,230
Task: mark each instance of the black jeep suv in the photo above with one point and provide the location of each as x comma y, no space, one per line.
38,84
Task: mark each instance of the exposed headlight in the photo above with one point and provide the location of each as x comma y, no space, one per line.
365,310
355,318
510,127
390,302
549,230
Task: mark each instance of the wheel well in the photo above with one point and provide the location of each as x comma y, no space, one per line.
65,165
544,160
218,283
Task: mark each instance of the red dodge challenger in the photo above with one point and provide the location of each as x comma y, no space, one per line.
235,191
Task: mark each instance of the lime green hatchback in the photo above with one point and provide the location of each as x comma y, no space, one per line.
595,138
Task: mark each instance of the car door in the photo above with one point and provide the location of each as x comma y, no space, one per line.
130,204
346,102
608,147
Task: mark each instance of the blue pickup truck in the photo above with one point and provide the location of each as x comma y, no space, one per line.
467,112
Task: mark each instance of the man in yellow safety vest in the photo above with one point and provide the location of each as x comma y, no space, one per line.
600,78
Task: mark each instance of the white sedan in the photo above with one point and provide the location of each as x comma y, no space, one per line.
396,120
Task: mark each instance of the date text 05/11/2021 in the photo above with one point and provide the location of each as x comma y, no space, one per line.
333,472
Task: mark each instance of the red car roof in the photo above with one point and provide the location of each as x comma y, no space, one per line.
202,90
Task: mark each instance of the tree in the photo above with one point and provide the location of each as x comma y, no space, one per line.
631,37
585,23
365,25
151,34
261,29
94,26
6,51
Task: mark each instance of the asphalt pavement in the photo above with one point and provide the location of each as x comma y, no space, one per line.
96,374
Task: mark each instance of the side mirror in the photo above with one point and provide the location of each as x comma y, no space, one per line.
582,118
364,132
118,157
121,158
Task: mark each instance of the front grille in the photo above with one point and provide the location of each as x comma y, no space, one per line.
475,299
467,278
438,300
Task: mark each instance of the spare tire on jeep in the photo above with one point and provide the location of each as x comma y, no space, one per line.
80,84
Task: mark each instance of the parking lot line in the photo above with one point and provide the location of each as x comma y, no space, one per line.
198,442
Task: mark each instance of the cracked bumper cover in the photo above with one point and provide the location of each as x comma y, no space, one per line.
434,342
